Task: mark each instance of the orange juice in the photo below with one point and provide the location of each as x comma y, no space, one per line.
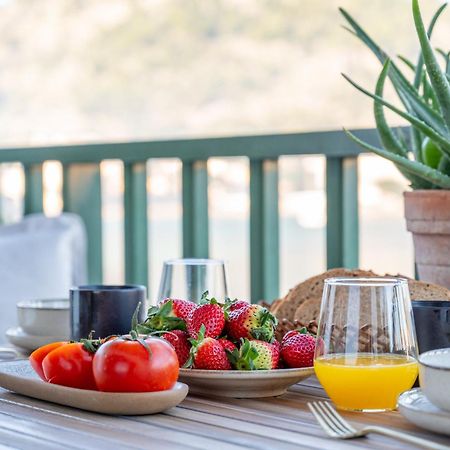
365,381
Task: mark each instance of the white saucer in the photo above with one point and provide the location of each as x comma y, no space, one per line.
18,337
416,408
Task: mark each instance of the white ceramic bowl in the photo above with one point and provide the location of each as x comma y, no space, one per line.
434,377
44,317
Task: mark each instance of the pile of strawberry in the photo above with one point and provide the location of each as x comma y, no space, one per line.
224,336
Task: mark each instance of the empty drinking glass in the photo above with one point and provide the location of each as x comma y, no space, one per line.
366,352
188,279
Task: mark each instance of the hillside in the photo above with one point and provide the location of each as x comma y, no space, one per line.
76,70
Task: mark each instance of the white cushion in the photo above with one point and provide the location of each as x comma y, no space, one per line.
40,258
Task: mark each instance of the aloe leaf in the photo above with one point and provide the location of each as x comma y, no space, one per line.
387,137
444,165
446,57
361,34
422,126
437,77
407,62
396,76
402,86
429,33
417,168
428,93
348,29
421,108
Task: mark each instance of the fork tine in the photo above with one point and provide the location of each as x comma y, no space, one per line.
339,418
324,424
330,418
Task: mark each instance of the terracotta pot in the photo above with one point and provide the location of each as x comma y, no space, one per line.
427,214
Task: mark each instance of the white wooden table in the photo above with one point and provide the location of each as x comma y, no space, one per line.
198,423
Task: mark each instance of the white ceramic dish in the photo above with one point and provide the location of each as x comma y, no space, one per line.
44,317
243,384
19,338
416,408
19,377
434,376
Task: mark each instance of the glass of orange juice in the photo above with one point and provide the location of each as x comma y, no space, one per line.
366,352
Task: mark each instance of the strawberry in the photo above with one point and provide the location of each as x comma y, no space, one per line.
226,344
298,350
180,308
253,322
233,305
180,343
207,353
211,315
256,355
168,315
291,333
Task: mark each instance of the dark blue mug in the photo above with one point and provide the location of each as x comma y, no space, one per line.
104,310
432,321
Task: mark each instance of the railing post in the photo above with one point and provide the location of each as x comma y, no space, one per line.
264,230
34,192
82,195
136,223
195,209
342,212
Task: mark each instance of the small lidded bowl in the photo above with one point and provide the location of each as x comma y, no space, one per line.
434,376
44,317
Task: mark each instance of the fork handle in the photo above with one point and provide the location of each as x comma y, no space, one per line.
407,438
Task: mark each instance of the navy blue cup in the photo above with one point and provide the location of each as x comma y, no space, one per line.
105,310
432,320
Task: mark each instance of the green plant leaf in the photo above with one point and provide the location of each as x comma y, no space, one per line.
408,93
437,77
417,168
387,137
407,62
422,126
361,34
446,57
431,153
419,65
428,93
402,86
444,165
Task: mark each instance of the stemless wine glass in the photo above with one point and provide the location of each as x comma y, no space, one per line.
188,279
366,352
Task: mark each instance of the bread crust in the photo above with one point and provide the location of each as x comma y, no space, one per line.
302,303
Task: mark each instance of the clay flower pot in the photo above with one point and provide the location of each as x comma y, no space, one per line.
427,214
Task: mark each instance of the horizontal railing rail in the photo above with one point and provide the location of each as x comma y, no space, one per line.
82,195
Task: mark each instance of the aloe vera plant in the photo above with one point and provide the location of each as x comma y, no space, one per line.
424,159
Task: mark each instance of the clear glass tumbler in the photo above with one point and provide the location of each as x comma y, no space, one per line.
366,352
188,279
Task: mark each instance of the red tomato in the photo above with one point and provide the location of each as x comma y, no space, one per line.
38,355
70,365
126,365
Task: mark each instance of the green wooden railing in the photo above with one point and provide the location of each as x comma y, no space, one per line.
82,195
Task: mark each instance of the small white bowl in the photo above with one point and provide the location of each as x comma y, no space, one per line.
44,317
434,377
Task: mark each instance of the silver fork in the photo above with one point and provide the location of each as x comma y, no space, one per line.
337,427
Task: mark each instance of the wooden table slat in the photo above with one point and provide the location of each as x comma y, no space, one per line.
215,423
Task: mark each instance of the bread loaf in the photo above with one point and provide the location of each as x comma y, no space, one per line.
302,303
311,291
